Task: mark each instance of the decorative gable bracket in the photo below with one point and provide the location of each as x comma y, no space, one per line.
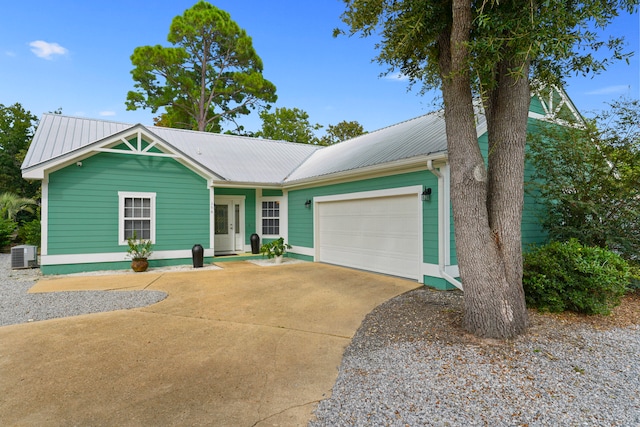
137,145
557,106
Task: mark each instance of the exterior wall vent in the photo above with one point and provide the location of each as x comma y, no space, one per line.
24,256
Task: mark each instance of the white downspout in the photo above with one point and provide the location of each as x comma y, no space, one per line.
442,211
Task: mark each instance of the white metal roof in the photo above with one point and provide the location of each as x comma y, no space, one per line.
238,159
422,136
234,158
246,160
57,135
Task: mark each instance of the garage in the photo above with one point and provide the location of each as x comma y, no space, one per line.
375,233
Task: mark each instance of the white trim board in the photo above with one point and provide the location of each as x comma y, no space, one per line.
114,257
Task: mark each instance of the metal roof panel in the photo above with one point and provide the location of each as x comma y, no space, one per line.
57,135
423,135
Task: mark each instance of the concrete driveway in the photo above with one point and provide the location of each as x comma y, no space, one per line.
242,346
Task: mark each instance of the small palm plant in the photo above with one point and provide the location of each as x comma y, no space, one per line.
275,248
139,250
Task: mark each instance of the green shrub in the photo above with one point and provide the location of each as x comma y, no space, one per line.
634,283
570,276
7,227
29,232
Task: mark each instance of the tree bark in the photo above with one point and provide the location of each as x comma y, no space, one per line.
487,242
507,110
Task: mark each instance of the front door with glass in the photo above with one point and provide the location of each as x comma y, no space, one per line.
229,225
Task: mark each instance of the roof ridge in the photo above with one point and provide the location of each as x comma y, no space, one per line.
227,135
66,116
386,127
405,121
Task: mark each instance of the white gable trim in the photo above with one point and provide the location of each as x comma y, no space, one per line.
140,133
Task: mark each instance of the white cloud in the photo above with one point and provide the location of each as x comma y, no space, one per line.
609,90
10,53
46,50
107,113
396,76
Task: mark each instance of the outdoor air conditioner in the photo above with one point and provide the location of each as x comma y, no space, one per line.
24,256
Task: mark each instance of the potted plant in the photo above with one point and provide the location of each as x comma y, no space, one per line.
275,249
139,250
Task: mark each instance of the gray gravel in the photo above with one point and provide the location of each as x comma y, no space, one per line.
17,306
410,364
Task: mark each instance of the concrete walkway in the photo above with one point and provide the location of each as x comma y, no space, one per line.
241,346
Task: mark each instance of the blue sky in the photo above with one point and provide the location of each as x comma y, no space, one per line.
75,55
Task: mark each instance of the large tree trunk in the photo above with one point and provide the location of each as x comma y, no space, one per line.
507,110
490,266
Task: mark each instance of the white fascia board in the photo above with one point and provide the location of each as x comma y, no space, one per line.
246,185
389,192
385,169
301,250
114,257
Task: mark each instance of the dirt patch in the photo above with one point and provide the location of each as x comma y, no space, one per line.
436,316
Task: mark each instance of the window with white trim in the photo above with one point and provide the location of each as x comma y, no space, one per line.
271,217
137,214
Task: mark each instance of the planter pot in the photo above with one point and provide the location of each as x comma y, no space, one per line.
278,259
139,265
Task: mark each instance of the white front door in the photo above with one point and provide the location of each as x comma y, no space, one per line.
229,225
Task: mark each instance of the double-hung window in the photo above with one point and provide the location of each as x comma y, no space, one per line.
271,218
137,215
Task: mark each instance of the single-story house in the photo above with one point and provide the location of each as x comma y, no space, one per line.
378,202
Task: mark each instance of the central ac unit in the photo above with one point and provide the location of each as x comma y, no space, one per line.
24,256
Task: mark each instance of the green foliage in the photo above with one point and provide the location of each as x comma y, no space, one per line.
17,127
288,124
275,248
29,233
587,178
11,205
341,132
570,276
634,283
556,38
139,248
212,73
7,227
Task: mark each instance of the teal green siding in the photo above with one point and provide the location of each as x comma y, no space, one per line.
453,255
249,208
532,230
301,218
299,256
438,283
83,203
271,193
536,106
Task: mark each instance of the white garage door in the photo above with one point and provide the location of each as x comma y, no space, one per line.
378,234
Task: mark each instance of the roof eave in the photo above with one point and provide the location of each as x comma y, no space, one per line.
406,165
